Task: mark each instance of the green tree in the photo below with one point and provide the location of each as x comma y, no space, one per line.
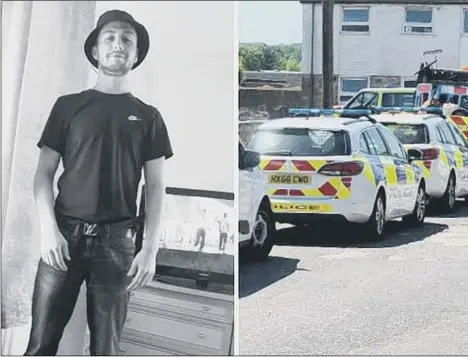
271,58
291,65
252,58
259,56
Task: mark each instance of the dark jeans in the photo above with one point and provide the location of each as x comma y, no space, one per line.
201,233
103,262
222,241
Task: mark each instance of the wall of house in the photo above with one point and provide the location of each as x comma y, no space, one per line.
386,55
386,50
463,60
184,76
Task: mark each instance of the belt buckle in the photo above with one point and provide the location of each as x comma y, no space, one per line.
90,229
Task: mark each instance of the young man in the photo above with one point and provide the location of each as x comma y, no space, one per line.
200,237
105,137
223,225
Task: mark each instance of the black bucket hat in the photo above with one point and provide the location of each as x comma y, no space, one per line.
122,16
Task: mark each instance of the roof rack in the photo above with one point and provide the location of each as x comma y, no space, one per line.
360,119
427,74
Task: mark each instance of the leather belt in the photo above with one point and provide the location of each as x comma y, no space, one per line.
125,228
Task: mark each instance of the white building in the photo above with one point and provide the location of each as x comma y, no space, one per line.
381,43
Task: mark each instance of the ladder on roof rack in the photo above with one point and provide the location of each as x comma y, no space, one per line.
427,74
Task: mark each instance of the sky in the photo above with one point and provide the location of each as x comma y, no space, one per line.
270,22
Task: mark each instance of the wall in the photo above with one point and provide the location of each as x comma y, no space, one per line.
261,93
288,79
386,50
261,104
258,101
188,75
463,51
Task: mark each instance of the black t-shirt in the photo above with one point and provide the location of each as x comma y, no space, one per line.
104,140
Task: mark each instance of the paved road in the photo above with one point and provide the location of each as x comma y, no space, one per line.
405,295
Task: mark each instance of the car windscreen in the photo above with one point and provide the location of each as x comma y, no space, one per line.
299,142
409,133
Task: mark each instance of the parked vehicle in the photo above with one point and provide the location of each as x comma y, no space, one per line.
381,98
438,87
354,170
445,153
256,224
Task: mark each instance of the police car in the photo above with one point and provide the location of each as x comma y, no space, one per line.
256,225
331,167
445,153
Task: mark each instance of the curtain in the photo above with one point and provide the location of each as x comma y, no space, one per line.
42,58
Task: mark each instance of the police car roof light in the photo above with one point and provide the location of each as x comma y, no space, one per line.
432,110
307,112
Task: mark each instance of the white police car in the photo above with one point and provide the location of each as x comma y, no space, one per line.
331,167
256,225
445,153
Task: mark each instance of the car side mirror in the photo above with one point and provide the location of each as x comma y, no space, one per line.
251,159
414,155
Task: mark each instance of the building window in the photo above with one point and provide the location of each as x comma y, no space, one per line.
350,86
418,21
465,21
355,20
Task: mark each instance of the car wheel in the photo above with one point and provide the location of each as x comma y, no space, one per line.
374,228
447,201
416,218
263,233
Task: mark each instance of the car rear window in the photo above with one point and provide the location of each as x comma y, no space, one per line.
409,133
299,142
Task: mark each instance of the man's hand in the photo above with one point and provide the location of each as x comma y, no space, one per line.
143,268
54,249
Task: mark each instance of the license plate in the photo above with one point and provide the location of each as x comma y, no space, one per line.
289,207
289,179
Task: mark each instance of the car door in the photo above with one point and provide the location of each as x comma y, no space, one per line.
406,178
384,165
452,151
461,159
246,188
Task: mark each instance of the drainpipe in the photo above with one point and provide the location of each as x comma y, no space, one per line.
311,95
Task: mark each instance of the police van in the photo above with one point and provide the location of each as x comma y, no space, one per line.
354,170
445,153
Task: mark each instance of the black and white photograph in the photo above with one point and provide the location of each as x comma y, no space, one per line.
119,164
199,224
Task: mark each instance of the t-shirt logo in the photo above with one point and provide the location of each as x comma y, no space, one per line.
133,118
